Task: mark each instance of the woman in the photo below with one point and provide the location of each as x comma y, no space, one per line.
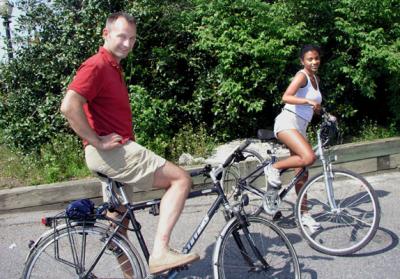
302,99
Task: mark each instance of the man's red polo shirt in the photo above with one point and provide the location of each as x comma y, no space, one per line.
100,81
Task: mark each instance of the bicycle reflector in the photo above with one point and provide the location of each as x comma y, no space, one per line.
46,221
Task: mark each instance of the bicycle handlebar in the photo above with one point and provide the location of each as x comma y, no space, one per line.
204,171
240,148
327,116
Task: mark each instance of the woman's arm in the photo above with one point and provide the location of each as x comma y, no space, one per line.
289,97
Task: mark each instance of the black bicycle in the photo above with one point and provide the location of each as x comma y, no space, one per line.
343,203
92,247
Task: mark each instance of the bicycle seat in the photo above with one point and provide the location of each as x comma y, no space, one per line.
266,135
117,183
101,175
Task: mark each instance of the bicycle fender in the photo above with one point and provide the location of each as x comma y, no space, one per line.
49,232
218,244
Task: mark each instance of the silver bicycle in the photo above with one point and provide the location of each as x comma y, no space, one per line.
343,203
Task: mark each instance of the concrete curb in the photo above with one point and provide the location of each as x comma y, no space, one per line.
365,157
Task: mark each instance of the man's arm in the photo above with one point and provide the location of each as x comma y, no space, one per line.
72,109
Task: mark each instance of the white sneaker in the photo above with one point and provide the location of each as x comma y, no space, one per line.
308,221
273,176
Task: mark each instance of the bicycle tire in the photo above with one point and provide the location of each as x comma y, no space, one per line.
235,171
54,255
279,253
349,228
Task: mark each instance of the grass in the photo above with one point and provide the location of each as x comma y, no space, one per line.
63,158
60,160
12,173
370,130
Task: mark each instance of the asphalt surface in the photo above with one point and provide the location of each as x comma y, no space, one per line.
379,259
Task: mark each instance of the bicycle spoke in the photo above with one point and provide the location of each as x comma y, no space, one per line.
274,248
92,244
359,199
350,226
357,219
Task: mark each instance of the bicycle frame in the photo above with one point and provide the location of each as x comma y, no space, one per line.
326,166
220,200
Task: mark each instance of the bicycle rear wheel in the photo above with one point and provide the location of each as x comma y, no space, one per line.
350,226
234,257
239,170
70,252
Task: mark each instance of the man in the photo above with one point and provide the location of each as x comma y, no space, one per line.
97,107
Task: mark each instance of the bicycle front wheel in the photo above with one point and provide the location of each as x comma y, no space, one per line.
346,225
72,252
232,174
235,254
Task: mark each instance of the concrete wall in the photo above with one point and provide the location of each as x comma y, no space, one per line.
362,157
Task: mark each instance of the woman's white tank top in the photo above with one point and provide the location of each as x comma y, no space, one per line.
308,92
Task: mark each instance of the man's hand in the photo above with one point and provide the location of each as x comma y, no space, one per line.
108,142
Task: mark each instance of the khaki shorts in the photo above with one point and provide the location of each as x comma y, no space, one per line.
287,120
131,164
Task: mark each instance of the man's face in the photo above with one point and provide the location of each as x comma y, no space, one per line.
119,38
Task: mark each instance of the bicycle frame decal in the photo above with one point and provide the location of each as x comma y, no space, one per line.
196,234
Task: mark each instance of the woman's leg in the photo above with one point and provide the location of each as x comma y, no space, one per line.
301,155
300,185
301,151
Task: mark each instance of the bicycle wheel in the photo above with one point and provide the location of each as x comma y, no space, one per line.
232,262
239,170
70,252
350,226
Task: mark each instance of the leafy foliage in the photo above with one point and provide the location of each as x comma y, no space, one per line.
241,50
216,65
189,140
54,39
57,160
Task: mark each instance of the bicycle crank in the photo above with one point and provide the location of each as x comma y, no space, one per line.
271,202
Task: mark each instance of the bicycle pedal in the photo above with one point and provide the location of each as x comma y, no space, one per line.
155,209
277,216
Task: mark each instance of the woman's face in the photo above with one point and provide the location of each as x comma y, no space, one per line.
311,61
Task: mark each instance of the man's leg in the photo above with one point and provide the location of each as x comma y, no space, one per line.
177,183
122,258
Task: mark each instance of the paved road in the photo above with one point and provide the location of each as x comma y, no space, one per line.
380,259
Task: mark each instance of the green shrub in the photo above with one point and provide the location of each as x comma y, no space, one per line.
61,159
196,142
370,130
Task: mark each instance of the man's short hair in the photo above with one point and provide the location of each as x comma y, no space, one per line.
114,16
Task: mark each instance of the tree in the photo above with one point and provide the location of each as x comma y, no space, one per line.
223,64
54,39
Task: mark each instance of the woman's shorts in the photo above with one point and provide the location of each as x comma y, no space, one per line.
288,120
131,164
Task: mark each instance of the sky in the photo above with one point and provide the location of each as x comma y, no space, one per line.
3,53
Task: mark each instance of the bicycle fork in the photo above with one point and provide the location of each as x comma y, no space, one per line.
243,225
